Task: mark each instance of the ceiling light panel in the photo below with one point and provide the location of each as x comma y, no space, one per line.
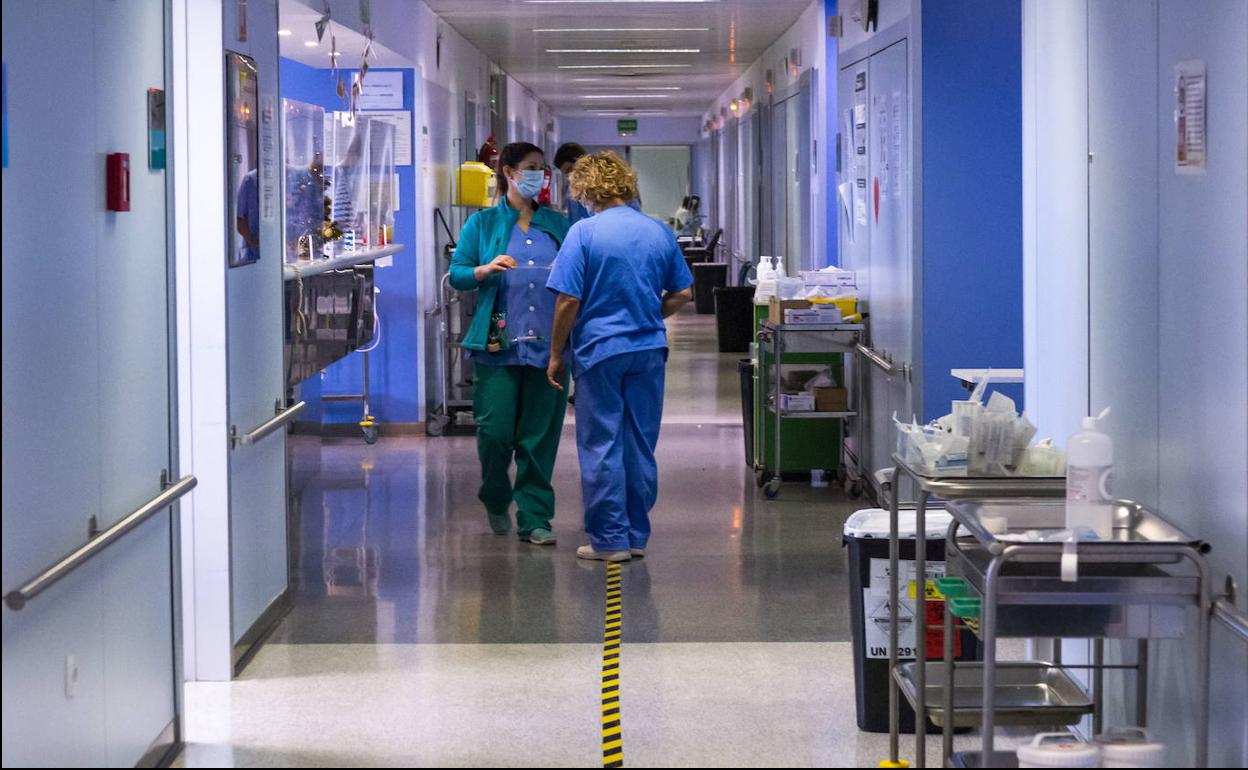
623,50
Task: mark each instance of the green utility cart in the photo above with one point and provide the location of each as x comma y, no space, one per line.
807,440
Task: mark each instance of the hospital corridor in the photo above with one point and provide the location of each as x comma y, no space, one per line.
625,383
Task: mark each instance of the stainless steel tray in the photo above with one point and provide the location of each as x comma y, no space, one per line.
1134,526
1028,693
976,759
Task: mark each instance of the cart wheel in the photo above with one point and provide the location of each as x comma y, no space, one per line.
855,489
436,426
761,478
370,433
772,489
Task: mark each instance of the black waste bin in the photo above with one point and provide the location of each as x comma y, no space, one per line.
734,318
745,368
706,276
866,536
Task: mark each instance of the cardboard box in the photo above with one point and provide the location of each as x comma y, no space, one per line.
797,402
778,306
831,399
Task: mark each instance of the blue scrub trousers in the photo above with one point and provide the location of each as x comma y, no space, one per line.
619,406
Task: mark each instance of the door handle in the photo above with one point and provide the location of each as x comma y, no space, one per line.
282,418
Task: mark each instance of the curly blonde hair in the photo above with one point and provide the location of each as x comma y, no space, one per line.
601,178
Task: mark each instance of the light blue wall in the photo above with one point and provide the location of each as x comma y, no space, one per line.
393,369
86,383
650,130
1138,282
972,214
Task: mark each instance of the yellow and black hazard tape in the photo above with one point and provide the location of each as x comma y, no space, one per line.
612,737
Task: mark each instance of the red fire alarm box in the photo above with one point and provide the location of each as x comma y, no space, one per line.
118,181
544,197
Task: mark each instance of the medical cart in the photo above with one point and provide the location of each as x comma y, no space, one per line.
787,440
1003,584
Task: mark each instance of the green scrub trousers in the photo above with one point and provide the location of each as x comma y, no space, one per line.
518,414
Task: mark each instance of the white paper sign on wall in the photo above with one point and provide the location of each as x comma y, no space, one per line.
382,91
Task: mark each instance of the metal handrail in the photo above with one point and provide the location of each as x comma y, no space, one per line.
1231,617
889,367
16,600
279,420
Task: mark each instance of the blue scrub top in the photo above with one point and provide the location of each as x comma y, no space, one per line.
249,209
577,212
618,264
528,307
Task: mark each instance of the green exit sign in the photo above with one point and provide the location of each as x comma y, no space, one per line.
626,125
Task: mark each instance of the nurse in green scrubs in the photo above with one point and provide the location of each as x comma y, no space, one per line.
505,253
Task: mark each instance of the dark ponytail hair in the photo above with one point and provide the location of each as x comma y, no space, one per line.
513,155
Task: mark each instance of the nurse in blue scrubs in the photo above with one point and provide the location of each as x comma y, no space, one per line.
619,273
504,254
565,159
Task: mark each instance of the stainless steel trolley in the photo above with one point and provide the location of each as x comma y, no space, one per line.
945,488
1128,588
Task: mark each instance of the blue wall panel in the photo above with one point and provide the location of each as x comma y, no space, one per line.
395,377
972,193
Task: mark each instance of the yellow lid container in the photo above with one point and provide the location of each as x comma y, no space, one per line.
847,305
475,184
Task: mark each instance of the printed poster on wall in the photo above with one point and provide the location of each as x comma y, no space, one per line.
1189,117
402,122
380,91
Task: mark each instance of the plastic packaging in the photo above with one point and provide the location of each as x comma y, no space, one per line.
789,288
1130,747
1043,459
1089,465
1058,750
765,288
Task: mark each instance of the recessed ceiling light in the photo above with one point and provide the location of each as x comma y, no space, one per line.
624,29
626,96
659,88
623,50
285,32
618,66
311,43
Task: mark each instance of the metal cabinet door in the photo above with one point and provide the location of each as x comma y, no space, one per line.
89,671
854,237
258,538
891,293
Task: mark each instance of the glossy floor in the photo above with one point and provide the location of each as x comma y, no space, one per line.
419,637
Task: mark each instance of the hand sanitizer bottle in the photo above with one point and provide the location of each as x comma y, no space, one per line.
1089,465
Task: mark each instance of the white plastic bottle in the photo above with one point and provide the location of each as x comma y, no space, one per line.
1089,465
766,287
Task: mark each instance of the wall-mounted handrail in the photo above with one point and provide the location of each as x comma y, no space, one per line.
889,367
16,600
1231,617
283,417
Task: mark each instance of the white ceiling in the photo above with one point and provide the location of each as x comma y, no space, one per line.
736,33
300,21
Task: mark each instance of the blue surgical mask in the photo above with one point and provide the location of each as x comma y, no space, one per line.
530,183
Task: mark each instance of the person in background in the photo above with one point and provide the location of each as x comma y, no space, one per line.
504,254
565,158
247,217
688,216
618,275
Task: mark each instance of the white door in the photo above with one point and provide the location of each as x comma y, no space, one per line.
89,670
662,177
254,299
